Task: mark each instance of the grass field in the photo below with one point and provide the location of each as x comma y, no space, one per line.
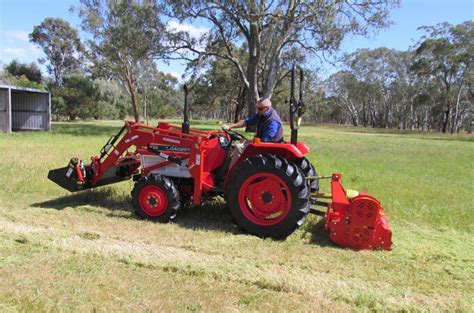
88,251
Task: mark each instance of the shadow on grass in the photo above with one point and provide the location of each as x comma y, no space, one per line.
318,235
104,197
212,216
77,129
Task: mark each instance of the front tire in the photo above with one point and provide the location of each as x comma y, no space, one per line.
268,196
155,197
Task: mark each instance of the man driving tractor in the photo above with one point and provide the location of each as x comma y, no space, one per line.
269,193
268,122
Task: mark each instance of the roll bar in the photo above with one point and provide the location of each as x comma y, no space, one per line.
297,106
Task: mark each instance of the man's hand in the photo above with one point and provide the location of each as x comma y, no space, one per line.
239,124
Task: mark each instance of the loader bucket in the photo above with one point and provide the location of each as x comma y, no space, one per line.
76,176
70,177
61,178
356,220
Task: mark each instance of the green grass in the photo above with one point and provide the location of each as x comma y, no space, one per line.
88,251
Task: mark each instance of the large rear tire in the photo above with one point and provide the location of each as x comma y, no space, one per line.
308,170
268,196
156,198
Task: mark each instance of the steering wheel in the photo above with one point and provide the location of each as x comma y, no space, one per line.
234,135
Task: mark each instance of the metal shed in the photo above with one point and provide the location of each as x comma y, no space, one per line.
23,108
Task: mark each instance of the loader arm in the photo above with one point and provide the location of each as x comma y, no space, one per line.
145,138
115,165
111,153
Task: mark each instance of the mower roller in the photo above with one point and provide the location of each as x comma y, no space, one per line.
270,190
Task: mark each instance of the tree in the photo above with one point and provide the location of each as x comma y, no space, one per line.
267,30
125,34
384,84
217,90
112,101
344,87
62,46
445,56
158,92
77,97
30,71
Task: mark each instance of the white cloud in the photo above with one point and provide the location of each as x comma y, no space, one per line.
15,35
30,54
175,75
193,31
14,44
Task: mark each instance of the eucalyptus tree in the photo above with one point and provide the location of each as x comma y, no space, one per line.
444,56
158,91
385,82
217,89
61,44
345,88
268,29
124,33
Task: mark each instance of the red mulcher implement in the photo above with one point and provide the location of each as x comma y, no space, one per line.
270,190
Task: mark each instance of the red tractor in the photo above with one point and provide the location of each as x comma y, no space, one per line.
270,189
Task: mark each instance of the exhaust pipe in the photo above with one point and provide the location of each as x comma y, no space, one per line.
185,125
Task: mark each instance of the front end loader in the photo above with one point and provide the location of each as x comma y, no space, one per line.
270,190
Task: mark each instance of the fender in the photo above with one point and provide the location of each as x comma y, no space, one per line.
285,150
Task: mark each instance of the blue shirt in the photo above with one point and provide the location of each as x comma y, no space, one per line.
269,132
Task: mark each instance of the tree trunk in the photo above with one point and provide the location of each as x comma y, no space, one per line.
364,114
240,104
352,110
252,70
127,77
446,117
134,98
276,46
272,77
454,126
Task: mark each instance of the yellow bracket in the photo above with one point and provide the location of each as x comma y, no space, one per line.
350,194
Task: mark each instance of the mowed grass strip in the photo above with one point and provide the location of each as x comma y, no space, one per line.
84,251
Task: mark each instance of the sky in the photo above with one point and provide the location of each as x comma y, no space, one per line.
18,17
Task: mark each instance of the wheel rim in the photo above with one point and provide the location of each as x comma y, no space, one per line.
264,199
153,200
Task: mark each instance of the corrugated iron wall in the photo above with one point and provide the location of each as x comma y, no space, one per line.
30,111
4,124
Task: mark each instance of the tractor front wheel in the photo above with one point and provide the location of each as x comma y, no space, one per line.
156,198
268,196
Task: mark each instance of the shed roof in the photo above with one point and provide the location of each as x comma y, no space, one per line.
28,89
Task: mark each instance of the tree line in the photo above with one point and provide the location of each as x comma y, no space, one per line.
245,53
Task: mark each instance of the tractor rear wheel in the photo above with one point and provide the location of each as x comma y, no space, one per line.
308,170
156,198
268,196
